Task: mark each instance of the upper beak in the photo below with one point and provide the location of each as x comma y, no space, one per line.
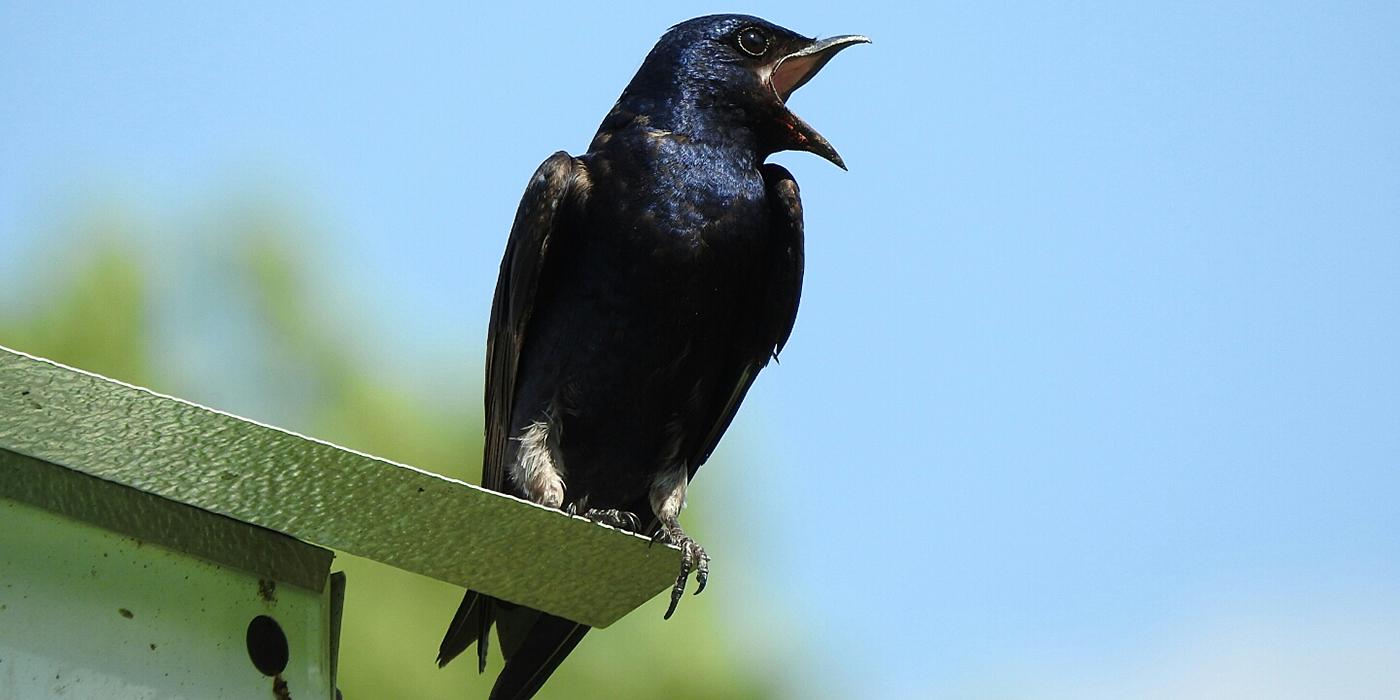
793,71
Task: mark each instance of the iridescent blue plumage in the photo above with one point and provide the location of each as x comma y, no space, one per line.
644,286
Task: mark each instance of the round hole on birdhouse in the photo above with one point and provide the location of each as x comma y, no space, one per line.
267,645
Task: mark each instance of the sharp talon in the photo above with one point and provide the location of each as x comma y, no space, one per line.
702,571
693,558
676,593
679,589
612,517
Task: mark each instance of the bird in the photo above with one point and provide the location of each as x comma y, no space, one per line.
643,287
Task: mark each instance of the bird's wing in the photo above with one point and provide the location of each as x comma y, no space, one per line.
764,332
524,270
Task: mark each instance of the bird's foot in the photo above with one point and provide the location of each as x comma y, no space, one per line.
693,556
612,517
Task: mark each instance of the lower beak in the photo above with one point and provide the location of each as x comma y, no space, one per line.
793,71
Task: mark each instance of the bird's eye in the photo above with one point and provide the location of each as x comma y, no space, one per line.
753,41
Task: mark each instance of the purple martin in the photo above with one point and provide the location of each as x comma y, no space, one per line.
644,285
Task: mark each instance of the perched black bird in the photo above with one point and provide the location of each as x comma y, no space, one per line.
644,286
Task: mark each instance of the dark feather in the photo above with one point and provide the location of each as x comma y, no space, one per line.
766,328
464,629
533,657
552,190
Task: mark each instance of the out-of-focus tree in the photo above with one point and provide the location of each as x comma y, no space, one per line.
97,322
99,317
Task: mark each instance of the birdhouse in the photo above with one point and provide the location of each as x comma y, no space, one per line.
150,547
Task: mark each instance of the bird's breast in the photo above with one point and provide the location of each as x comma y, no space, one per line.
670,195
673,235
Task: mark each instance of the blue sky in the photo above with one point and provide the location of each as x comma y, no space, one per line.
1094,391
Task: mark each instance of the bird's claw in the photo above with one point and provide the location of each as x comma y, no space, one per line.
693,556
612,517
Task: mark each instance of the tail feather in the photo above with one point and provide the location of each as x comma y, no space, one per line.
535,655
470,625
534,643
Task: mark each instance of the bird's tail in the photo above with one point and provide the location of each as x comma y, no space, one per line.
471,624
534,643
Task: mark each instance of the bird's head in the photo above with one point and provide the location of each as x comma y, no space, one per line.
727,73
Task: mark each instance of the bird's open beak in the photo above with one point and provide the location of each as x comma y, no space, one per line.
793,71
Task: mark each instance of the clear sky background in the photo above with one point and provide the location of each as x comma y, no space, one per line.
1095,390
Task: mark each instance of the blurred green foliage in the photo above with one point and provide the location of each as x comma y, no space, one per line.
93,309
